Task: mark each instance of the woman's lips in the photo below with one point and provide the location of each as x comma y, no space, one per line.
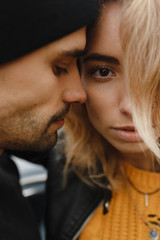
127,133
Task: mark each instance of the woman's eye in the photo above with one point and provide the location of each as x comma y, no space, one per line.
59,70
101,73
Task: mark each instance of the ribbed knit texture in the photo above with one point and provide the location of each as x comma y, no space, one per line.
123,221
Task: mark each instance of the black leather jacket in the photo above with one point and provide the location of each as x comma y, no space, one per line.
17,221
70,207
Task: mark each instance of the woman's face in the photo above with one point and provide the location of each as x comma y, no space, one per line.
108,103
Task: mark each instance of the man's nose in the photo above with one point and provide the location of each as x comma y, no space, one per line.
74,91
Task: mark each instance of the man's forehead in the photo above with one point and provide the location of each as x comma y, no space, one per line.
72,53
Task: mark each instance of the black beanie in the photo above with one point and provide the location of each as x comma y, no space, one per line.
26,25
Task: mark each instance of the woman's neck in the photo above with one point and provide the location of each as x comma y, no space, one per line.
144,161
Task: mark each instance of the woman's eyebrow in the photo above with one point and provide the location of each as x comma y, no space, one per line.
101,57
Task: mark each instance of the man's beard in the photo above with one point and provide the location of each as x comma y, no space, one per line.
34,137
57,116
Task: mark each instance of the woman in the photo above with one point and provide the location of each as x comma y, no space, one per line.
113,180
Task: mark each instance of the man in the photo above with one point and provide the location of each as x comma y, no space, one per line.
39,45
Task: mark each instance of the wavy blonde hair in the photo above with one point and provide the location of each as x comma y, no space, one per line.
91,156
140,38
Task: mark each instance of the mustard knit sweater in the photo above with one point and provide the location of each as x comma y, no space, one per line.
123,221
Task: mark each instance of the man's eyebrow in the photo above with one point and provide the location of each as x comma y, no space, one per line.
101,57
73,53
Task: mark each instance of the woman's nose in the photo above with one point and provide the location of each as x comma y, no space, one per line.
125,106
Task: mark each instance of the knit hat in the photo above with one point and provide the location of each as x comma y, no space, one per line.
26,25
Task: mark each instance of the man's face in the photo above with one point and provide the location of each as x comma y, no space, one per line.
36,92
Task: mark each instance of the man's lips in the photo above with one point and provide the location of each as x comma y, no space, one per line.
60,121
127,133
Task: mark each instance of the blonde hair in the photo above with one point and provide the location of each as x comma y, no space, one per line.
91,156
140,38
